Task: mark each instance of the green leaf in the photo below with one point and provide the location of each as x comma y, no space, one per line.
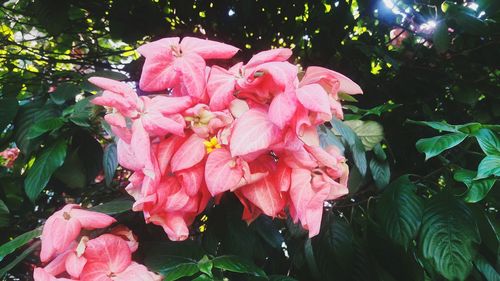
327,138
347,97
441,126
44,126
311,260
180,270
434,146
265,227
45,165
488,141
17,242
205,265
237,264
64,92
490,165
448,236
28,115
3,208
355,145
163,256
8,110
114,207
400,211
486,269
378,110
110,162
381,173
441,37
477,188
19,258
371,133
72,173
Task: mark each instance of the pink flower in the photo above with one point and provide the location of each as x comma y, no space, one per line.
9,157
169,63
110,259
67,223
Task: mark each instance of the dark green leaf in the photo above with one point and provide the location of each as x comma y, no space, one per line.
237,264
114,207
72,172
490,165
64,92
268,231
434,146
311,260
477,188
110,162
448,236
180,270
8,110
327,138
400,211
205,265
381,173
45,165
17,242
355,145
486,269
19,258
488,141
441,126
44,126
441,37
3,208
281,278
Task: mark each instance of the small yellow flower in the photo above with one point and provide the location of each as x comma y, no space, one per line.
211,144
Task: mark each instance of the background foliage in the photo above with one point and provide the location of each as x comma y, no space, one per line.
423,202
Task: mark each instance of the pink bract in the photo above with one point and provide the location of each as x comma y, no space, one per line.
250,129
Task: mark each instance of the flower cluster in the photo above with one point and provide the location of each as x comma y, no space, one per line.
250,129
71,254
8,157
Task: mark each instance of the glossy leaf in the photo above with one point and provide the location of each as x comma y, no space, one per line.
237,264
8,110
64,92
45,126
114,207
45,165
355,145
477,188
400,211
110,162
488,141
489,166
449,236
371,133
434,146
18,242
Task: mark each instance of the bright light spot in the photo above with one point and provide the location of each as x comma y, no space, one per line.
481,14
471,5
231,12
336,4
428,26
306,37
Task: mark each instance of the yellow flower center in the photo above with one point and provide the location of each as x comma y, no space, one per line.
211,144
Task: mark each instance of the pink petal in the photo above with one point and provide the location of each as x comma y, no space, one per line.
265,195
48,248
159,46
174,226
158,125
192,69
165,152
283,108
126,156
207,49
190,153
253,132
75,264
39,274
137,272
221,172
314,212
280,54
64,231
110,250
169,105
300,192
221,88
314,98
57,265
91,220
118,125
140,144
192,179
95,271
112,85
315,74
